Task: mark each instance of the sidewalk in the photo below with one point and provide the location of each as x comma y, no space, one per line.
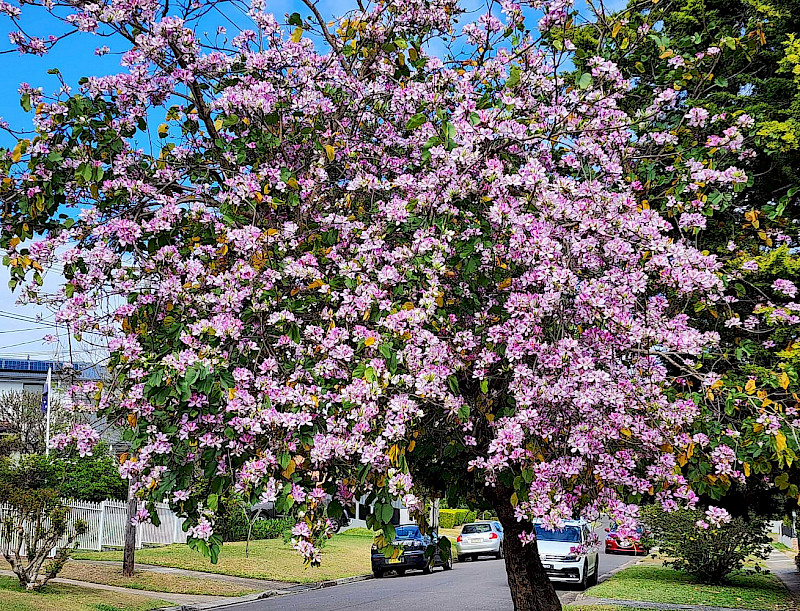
783,567
266,588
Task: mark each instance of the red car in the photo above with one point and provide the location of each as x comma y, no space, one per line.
617,544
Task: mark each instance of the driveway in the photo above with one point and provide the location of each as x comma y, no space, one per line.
480,585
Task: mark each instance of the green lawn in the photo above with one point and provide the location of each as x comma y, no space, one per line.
662,585
60,597
342,556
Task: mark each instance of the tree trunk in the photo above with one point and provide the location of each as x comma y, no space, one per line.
130,535
531,590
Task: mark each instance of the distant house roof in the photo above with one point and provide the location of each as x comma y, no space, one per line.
25,369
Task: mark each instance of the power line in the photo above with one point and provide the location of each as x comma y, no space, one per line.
28,319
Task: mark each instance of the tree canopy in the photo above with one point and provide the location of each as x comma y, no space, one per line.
349,264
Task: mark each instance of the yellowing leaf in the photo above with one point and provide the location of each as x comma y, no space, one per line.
369,341
163,130
626,432
780,441
615,30
412,445
297,34
12,243
218,123
717,384
330,152
504,284
746,468
514,500
292,182
783,380
750,386
132,419
16,154
272,231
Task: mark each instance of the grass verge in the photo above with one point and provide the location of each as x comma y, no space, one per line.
662,585
343,556
61,597
111,575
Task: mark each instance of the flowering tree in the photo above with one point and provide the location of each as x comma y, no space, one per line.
743,450
345,245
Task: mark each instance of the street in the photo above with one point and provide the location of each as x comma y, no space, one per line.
479,585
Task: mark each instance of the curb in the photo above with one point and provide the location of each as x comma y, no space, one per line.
294,589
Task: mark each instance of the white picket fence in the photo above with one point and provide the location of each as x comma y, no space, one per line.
106,525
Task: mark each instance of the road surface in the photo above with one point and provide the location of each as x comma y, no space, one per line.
473,585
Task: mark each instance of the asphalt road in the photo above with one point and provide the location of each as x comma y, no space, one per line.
473,585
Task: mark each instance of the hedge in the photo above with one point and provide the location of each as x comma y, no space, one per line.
264,528
450,518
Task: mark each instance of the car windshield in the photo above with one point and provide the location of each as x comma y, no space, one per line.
615,526
469,529
568,534
407,532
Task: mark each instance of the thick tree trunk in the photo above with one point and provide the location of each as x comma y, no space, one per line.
130,536
531,590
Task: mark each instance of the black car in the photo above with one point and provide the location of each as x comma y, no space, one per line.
412,550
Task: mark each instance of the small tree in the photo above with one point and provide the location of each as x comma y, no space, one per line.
694,544
22,410
36,523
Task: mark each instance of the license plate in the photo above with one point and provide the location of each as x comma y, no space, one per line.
547,566
395,560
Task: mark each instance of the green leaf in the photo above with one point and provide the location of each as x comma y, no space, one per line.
295,19
384,512
584,80
721,81
514,77
25,102
484,386
417,120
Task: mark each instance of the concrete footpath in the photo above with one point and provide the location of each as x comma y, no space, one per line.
264,588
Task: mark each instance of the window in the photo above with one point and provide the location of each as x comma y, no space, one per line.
471,529
35,388
395,516
407,532
568,534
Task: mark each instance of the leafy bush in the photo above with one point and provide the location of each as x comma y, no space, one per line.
232,524
275,528
93,478
712,553
450,518
36,522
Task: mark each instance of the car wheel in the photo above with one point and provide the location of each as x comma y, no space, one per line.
401,572
428,568
584,577
377,573
448,564
474,557
462,558
595,573
500,552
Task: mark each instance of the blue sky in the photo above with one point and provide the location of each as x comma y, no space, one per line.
20,334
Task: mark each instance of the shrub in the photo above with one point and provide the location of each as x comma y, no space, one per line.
232,524
450,518
93,478
710,554
36,520
275,528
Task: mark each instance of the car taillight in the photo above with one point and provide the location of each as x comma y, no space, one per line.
493,536
459,538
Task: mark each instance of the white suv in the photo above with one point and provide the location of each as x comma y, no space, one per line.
561,562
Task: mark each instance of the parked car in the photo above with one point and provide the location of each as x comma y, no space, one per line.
480,539
628,544
562,561
413,550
